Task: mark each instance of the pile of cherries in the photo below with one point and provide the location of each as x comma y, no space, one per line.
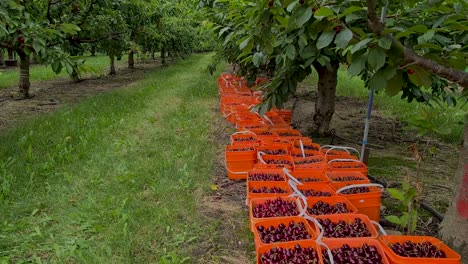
324,208
275,208
356,190
242,149
341,229
282,233
417,250
244,139
274,151
288,134
265,133
354,165
347,178
313,193
268,190
307,161
296,255
260,176
346,254
278,162
309,179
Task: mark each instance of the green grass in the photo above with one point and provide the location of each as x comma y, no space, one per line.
114,179
43,73
394,106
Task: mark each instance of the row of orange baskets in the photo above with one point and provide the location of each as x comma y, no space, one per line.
307,203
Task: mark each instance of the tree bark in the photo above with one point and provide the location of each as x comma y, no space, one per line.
455,224
10,54
163,55
24,83
131,60
325,101
2,58
93,50
112,65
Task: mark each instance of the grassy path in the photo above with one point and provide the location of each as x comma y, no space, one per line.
114,179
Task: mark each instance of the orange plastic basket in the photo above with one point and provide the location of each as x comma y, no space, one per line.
268,174
338,243
265,133
275,161
367,203
273,149
244,137
310,176
347,165
387,240
258,201
311,201
349,177
290,245
306,144
349,219
297,153
312,162
239,163
318,189
339,152
310,227
289,133
251,185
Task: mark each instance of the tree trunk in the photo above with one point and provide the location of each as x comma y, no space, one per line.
93,50
455,225
2,58
163,55
325,101
131,60
10,54
24,83
152,55
112,65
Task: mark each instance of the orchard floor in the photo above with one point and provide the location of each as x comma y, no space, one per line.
144,182
47,96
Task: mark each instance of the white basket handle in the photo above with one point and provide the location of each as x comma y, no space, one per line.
294,179
330,255
332,147
312,219
379,227
302,148
360,185
296,191
345,160
302,209
259,156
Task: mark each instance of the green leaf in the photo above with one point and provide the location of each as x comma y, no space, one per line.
291,51
343,38
244,43
323,12
376,58
393,219
325,39
37,45
414,220
360,44
397,194
56,66
385,42
257,58
70,28
420,77
394,85
304,15
357,66
404,34
377,81
292,5
351,9
419,28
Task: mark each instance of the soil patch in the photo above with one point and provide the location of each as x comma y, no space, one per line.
50,95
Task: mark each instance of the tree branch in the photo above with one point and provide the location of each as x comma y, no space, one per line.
373,22
431,66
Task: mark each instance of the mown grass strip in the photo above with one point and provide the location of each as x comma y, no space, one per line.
9,77
114,179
